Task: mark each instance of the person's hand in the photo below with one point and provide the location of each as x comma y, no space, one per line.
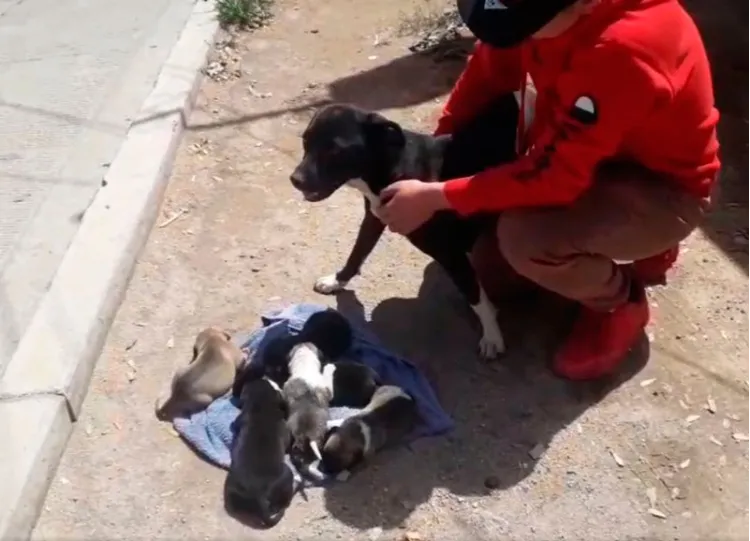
407,204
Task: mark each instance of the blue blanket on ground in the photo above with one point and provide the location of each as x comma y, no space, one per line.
210,432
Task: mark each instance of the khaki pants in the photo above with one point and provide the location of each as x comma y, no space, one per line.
628,214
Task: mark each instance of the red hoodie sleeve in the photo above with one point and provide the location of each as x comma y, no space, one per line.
489,73
606,92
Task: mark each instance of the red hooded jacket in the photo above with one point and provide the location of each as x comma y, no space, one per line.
631,80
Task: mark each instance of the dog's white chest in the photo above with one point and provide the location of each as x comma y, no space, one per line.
361,187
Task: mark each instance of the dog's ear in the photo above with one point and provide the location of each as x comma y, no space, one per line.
383,133
250,372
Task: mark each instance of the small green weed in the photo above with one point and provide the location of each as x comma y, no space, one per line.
247,14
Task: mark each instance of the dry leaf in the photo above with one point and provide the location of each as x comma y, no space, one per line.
684,464
738,436
647,382
711,405
715,441
656,513
619,461
651,495
690,419
675,493
170,342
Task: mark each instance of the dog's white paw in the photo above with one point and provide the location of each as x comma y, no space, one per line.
492,342
329,285
491,346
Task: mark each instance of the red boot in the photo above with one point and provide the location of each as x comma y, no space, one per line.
653,270
600,341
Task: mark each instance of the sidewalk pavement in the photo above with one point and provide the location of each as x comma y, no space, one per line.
93,97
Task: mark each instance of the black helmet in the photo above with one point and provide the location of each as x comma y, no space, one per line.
505,23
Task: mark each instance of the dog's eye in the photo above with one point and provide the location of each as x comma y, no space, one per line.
330,152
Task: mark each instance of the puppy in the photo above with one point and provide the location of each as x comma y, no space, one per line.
330,331
388,418
327,330
353,384
208,376
259,482
347,146
307,393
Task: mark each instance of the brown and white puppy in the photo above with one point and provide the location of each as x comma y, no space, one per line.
260,484
209,375
389,417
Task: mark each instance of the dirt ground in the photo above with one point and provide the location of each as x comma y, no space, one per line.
244,242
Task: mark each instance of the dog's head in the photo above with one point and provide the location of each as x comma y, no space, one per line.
342,143
345,447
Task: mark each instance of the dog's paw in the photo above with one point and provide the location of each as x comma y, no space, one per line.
491,346
329,285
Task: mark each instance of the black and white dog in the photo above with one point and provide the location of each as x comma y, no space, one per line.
347,146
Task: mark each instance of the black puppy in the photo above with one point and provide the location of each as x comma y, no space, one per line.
259,484
353,383
347,146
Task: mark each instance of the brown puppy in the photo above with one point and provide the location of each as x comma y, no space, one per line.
209,375
389,417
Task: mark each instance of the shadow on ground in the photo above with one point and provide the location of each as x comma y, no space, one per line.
725,31
502,411
405,81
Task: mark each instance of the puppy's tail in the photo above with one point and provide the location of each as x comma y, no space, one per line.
315,449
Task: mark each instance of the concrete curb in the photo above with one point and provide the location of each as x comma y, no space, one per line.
44,385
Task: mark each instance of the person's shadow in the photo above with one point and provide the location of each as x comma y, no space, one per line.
506,413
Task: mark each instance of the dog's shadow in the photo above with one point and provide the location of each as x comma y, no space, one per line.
502,411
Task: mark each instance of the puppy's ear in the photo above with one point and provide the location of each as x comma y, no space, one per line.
383,132
251,372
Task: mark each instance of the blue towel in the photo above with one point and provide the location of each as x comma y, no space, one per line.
210,432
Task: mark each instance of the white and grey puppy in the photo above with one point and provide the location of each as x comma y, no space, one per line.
260,485
389,417
308,394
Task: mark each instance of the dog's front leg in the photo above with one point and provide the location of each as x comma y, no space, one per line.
370,231
459,268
